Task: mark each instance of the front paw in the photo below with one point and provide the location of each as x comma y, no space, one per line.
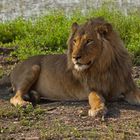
101,111
19,102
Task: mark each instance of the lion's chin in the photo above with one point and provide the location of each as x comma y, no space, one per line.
81,67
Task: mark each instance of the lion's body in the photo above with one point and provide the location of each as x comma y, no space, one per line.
96,66
55,81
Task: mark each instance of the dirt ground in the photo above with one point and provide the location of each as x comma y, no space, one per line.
68,120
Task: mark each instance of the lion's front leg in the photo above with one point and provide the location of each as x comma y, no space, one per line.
133,97
97,104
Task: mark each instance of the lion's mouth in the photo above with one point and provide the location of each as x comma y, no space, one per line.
80,66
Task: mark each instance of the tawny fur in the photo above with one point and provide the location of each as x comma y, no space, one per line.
103,67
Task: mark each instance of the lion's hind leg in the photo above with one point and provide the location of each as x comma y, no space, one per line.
133,97
23,86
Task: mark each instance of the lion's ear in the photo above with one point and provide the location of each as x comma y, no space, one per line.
104,30
74,26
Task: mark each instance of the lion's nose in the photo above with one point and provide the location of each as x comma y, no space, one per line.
76,57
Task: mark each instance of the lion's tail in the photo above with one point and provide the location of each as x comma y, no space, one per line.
5,81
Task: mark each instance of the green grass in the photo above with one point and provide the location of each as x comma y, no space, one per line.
25,117
10,112
49,33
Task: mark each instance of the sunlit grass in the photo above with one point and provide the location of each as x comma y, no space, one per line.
48,34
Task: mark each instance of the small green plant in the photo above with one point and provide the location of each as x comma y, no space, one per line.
138,82
1,72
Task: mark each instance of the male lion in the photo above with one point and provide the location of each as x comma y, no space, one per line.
96,67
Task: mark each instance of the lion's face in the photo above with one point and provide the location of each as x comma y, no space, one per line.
85,45
86,49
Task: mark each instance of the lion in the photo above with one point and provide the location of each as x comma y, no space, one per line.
96,67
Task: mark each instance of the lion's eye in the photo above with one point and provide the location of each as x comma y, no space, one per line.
89,41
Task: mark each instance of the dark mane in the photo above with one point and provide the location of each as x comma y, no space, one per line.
112,71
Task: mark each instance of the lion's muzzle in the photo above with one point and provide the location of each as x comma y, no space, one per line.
79,66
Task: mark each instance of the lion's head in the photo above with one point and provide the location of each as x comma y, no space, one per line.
93,43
